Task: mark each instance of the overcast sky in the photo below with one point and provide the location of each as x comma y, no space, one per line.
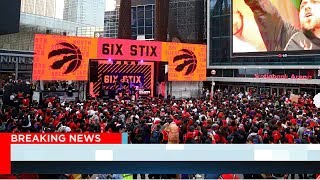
110,5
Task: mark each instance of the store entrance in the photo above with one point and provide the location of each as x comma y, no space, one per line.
279,91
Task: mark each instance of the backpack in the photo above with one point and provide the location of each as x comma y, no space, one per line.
155,137
256,139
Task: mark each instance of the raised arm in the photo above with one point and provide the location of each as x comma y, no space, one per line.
274,30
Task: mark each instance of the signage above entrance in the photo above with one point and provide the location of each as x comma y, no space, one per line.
14,59
284,76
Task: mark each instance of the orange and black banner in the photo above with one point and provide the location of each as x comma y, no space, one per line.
114,76
67,58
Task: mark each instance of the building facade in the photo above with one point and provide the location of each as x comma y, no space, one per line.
184,21
111,23
142,20
39,7
90,31
269,73
187,20
16,50
85,12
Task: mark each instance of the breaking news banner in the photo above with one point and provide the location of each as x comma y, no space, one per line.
96,153
33,147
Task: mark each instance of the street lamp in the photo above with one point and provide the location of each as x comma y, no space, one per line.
213,72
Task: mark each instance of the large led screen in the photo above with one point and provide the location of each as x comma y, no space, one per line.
276,26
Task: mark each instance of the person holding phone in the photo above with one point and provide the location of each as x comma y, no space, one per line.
278,35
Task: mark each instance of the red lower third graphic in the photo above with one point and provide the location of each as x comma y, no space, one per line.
5,155
50,138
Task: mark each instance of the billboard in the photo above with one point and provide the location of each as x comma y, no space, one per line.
67,58
187,62
62,57
273,26
113,76
129,49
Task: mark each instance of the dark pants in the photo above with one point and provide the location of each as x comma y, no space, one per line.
301,176
154,176
143,176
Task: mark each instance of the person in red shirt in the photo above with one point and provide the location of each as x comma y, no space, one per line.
289,136
228,176
25,102
164,134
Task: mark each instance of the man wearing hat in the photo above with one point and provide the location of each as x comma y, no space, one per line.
279,35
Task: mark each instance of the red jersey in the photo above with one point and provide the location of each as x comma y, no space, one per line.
290,138
165,135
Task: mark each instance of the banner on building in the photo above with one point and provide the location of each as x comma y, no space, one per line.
62,57
113,77
67,58
187,62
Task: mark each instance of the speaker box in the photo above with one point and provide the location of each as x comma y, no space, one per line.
93,71
162,69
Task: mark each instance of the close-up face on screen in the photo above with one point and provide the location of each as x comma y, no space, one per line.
272,25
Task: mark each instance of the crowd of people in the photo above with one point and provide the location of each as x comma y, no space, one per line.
227,117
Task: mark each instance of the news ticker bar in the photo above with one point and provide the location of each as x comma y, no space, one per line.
163,167
160,152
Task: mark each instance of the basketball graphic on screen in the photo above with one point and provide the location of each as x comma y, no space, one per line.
69,53
189,61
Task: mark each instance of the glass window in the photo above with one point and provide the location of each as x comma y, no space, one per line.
239,73
140,8
134,14
277,71
134,31
218,73
140,15
228,73
149,8
141,30
141,22
148,22
225,26
290,72
219,7
148,30
148,14
133,22
215,27
149,36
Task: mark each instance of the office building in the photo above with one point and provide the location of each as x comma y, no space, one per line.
187,20
142,20
90,32
39,7
16,50
111,23
85,12
184,19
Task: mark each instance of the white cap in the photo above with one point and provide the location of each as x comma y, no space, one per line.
68,129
